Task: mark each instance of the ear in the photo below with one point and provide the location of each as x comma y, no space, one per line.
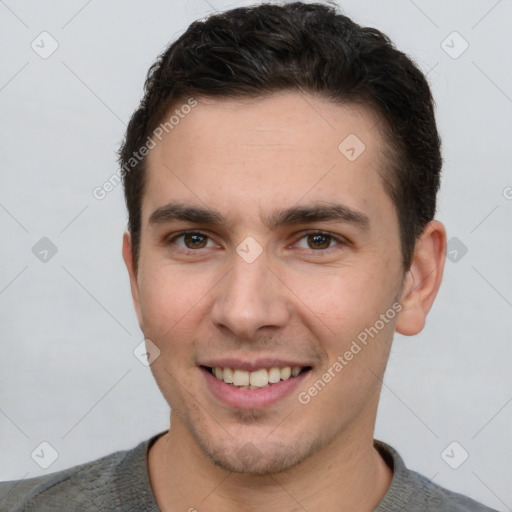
132,272
423,279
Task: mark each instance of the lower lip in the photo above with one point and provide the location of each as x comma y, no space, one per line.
241,398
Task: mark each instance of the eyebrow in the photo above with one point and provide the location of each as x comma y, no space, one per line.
316,212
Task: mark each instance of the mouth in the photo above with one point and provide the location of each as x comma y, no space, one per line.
256,379
252,387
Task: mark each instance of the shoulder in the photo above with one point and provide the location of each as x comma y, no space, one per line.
433,495
414,492
80,485
113,482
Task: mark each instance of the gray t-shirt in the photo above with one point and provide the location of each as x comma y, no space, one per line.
120,482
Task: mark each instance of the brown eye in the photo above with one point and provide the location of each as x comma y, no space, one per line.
319,241
195,240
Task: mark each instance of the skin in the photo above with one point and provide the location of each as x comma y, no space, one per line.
303,297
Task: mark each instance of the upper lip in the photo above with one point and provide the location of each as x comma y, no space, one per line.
253,364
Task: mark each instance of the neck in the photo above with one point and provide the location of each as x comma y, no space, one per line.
348,474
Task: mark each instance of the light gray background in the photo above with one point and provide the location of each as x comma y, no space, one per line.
67,372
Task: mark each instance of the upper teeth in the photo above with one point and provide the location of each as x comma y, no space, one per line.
256,379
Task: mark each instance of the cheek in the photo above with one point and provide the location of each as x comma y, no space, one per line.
171,310
169,293
342,301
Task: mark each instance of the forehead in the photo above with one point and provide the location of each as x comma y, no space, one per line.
276,150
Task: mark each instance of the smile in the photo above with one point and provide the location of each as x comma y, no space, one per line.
259,378
257,386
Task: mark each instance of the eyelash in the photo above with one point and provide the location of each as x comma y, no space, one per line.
316,252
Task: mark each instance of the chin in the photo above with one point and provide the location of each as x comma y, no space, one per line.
258,458
251,461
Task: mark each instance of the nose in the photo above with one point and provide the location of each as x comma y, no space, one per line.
250,298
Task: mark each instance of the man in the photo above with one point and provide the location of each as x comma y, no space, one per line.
280,176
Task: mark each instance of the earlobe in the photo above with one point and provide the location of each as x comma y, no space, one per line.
423,279
132,272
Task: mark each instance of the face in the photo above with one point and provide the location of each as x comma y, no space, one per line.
267,248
